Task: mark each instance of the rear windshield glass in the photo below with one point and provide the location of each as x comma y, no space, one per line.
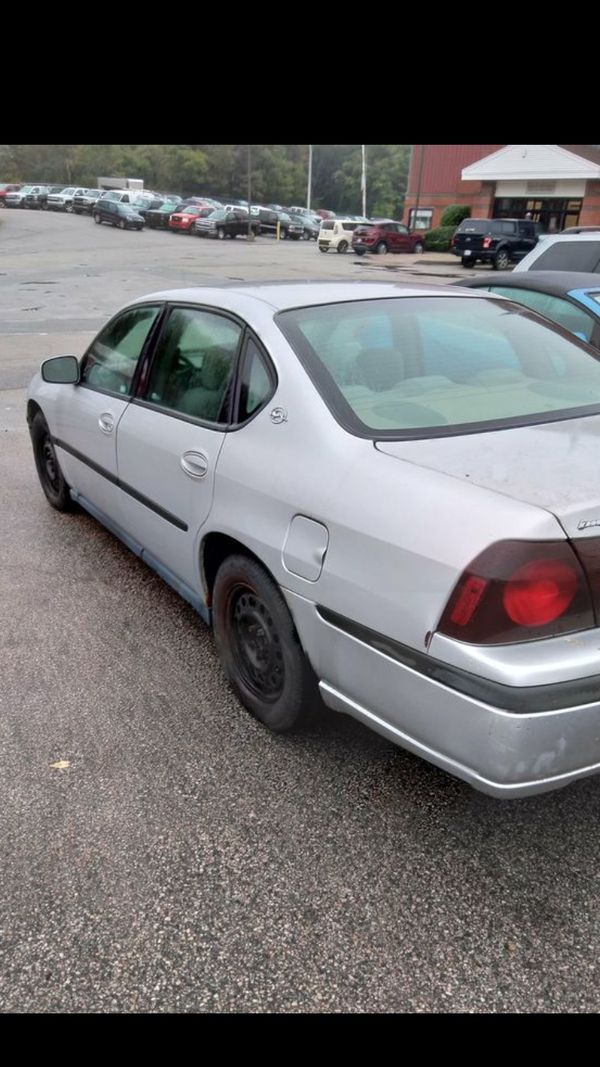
436,365
570,255
475,226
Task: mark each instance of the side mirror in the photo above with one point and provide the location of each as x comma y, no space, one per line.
62,370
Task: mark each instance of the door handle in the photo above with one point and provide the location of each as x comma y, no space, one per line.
195,464
106,422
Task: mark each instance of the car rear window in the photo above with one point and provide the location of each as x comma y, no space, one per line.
571,255
475,226
429,366
327,225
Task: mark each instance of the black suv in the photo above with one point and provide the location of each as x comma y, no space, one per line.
495,241
118,214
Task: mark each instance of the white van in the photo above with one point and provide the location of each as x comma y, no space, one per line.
337,234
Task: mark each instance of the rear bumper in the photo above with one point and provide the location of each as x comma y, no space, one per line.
501,752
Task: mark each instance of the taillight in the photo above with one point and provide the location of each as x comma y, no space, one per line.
487,242
518,591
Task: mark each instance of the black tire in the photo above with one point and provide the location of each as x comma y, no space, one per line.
122,224
76,211
97,218
323,249
342,247
381,248
306,235
359,251
220,234
283,235
467,261
259,648
419,248
501,260
69,208
51,477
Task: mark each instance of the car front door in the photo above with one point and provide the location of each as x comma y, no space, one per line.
170,437
402,237
87,415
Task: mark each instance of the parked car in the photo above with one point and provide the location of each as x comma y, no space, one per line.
337,234
496,241
117,214
577,251
144,204
62,199
158,218
182,220
26,196
221,224
570,299
306,213
5,189
288,228
84,201
386,236
404,524
310,229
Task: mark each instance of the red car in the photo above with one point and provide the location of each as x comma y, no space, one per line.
183,220
386,236
7,188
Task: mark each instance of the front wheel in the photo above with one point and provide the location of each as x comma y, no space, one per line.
220,235
258,646
69,209
122,224
321,249
97,219
501,260
48,468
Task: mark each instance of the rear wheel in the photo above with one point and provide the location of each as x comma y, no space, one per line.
258,646
419,248
48,467
468,262
381,248
501,260
342,247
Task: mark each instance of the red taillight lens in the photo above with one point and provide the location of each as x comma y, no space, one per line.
487,242
517,591
540,592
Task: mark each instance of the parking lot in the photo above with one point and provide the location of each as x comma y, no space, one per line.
163,851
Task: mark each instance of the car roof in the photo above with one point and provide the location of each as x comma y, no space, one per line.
554,282
281,296
559,237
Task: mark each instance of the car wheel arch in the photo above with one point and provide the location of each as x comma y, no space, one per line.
214,550
32,409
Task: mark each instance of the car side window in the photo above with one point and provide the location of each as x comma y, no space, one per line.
192,371
553,307
402,229
257,382
110,362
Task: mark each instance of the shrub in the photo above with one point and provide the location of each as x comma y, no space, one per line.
454,215
439,240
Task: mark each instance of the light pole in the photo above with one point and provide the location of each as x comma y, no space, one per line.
363,180
309,190
250,234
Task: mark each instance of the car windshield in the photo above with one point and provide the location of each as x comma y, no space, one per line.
430,366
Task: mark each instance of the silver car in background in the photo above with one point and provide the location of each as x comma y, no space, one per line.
384,498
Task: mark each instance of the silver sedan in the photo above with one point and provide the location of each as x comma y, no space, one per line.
382,498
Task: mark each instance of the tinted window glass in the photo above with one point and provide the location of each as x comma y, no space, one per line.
256,382
111,361
570,255
434,362
474,226
568,315
194,363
